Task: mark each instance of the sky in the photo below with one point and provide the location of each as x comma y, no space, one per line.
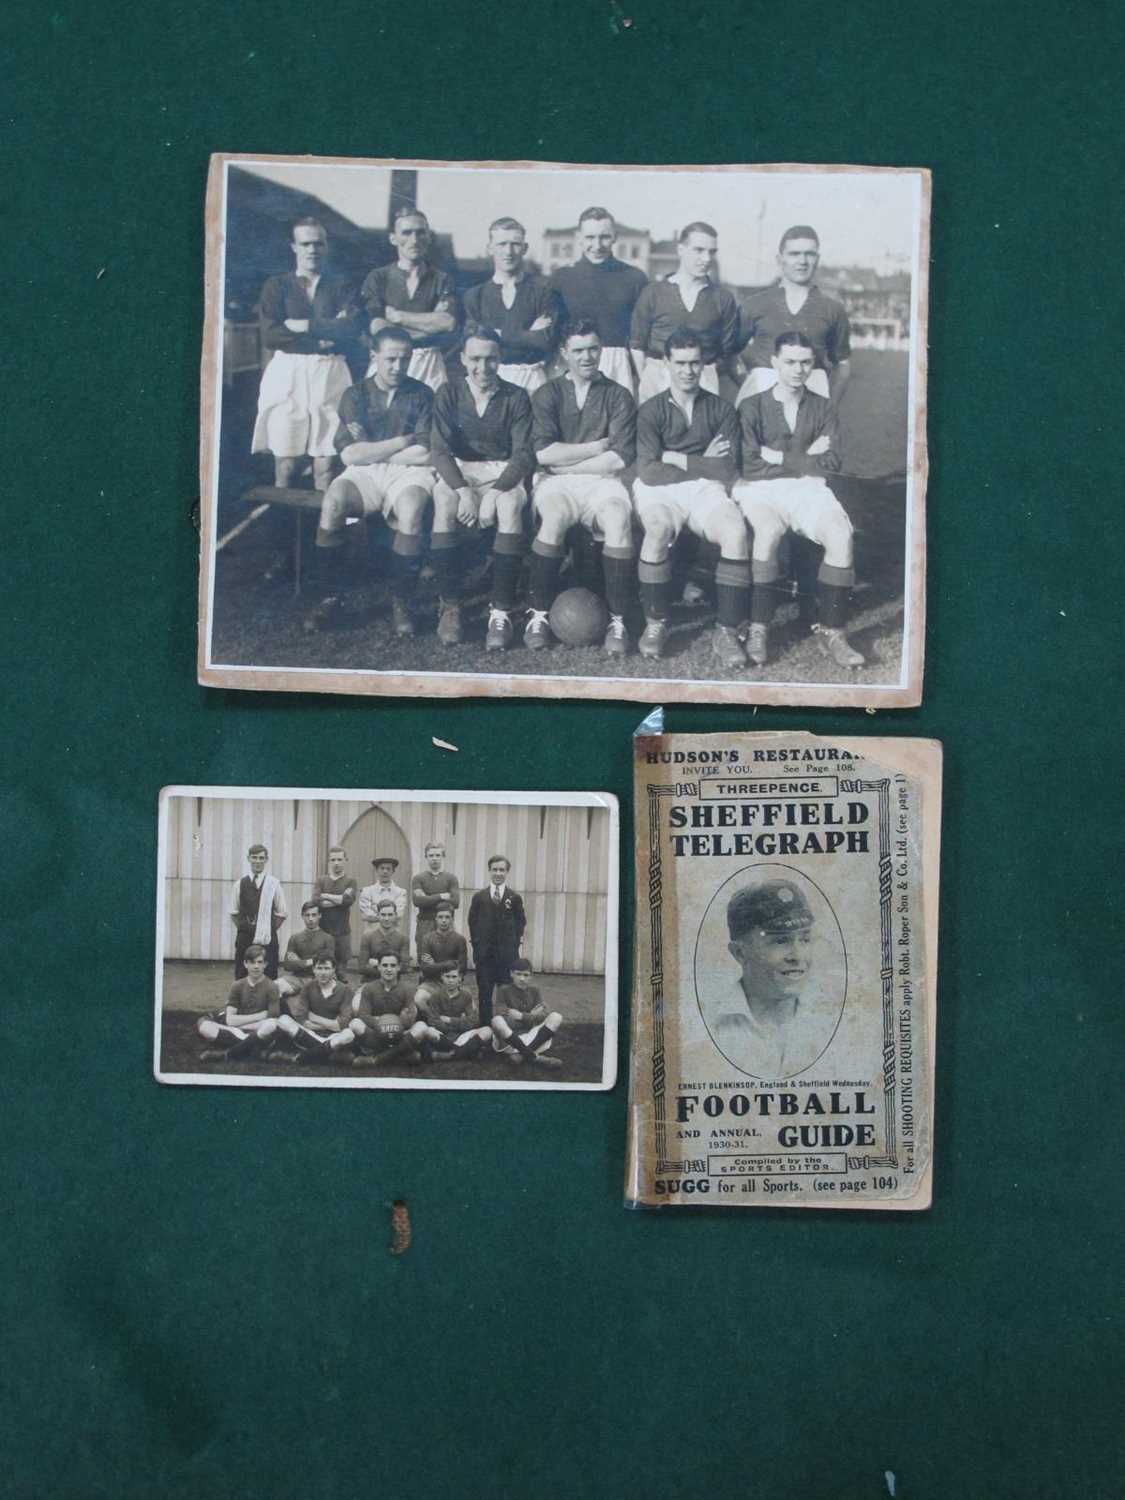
863,218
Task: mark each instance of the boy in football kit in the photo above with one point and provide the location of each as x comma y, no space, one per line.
438,947
317,1019
384,1021
384,441
523,308
302,951
481,446
789,442
603,290
796,304
687,299
414,296
431,889
310,321
449,1013
523,1028
687,445
250,1017
335,894
584,435
385,937
258,912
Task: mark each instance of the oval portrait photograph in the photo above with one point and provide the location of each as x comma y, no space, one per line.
771,971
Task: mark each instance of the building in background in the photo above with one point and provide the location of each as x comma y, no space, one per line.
559,855
561,247
878,306
664,258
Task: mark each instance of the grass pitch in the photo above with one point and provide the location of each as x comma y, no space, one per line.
192,989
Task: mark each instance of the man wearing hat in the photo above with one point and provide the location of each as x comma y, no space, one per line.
384,889
766,1023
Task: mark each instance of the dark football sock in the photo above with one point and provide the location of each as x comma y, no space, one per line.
546,560
507,556
330,569
704,563
763,599
656,588
732,590
406,563
517,1041
543,1040
833,595
445,559
620,567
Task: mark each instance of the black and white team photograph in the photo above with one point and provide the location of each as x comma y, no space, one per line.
609,431
317,938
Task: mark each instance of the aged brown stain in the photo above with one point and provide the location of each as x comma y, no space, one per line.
401,1233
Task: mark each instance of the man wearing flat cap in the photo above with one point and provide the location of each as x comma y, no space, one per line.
384,889
766,1022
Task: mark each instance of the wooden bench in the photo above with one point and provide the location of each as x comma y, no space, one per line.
290,499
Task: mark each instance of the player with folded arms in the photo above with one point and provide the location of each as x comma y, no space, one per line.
415,297
523,1028
687,451
433,888
789,443
521,306
309,320
451,1014
249,1020
384,441
385,937
302,951
317,1019
585,438
687,299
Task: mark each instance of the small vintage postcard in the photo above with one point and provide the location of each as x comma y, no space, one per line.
785,981
310,938
488,429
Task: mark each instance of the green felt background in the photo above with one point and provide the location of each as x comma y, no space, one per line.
198,1299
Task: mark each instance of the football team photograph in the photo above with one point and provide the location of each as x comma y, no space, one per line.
387,939
618,432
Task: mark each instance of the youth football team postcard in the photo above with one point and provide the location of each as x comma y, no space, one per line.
386,939
543,429
785,979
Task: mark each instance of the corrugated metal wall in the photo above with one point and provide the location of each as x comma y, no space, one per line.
558,854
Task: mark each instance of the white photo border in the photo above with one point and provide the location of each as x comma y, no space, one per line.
906,692
605,801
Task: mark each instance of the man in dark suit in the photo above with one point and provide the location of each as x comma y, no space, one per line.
496,926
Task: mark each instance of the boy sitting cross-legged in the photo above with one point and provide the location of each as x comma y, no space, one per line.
250,1016
522,1027
317,1023
384,1020
450,1014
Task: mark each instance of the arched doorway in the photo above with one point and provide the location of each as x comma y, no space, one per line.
376,832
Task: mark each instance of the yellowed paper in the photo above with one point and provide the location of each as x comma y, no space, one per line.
274,615
784,996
